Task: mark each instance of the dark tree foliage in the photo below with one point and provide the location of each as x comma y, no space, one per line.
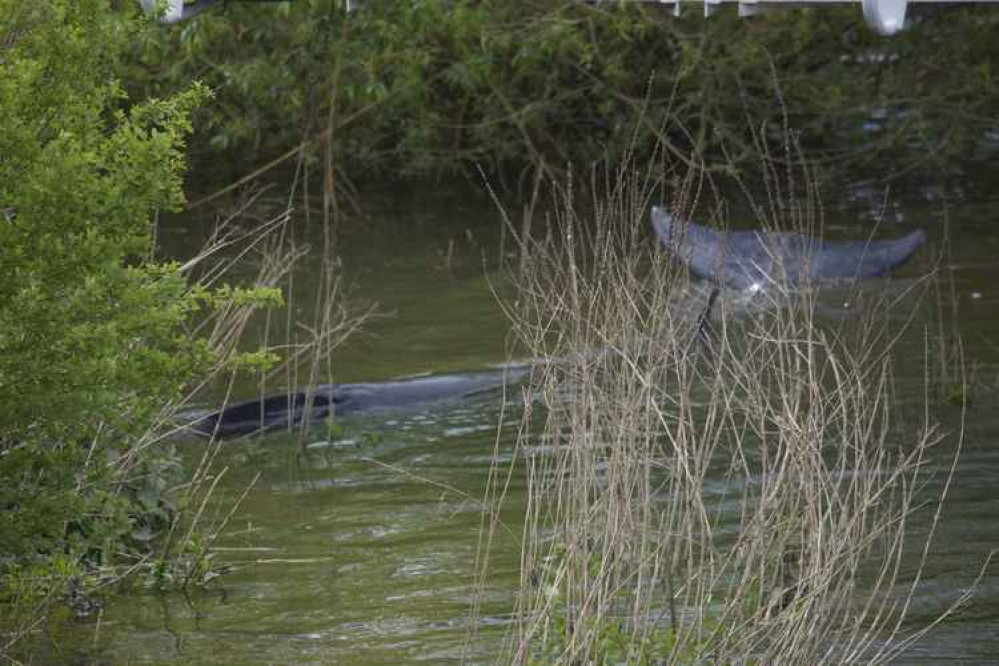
431,87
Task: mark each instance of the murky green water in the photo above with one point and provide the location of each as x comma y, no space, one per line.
341,559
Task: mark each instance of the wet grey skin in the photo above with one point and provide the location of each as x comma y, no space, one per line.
752,260
282,411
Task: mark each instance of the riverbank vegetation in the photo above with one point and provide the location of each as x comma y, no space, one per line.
102,343
95,335
439,88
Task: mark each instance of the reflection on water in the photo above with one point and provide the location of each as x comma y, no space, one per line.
361,550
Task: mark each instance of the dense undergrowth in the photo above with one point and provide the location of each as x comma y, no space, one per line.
432,88
92,340
99,342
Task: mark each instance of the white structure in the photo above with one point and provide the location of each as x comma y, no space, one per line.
176,10
886,17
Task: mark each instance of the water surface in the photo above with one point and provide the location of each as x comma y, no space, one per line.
362,549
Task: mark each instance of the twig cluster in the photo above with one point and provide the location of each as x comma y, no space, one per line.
706,484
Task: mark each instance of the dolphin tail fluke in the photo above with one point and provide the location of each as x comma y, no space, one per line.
904,247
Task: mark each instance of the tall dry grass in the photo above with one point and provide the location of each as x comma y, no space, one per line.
708,482
243,238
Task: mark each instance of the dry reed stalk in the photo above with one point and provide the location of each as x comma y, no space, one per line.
229,246
273,249
734,495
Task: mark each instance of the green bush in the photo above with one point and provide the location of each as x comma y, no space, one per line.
433,86
93,341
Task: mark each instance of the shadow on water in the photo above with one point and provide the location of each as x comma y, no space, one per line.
361,549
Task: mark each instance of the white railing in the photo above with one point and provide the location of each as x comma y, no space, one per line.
886,17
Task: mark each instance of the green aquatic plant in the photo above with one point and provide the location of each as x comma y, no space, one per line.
614,639
333,429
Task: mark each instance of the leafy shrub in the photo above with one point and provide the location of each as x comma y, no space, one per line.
94,338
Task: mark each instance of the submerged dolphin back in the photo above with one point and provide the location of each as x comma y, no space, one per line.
753,259
282,411
267,413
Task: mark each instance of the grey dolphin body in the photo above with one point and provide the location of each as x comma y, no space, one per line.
754,259
280,411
